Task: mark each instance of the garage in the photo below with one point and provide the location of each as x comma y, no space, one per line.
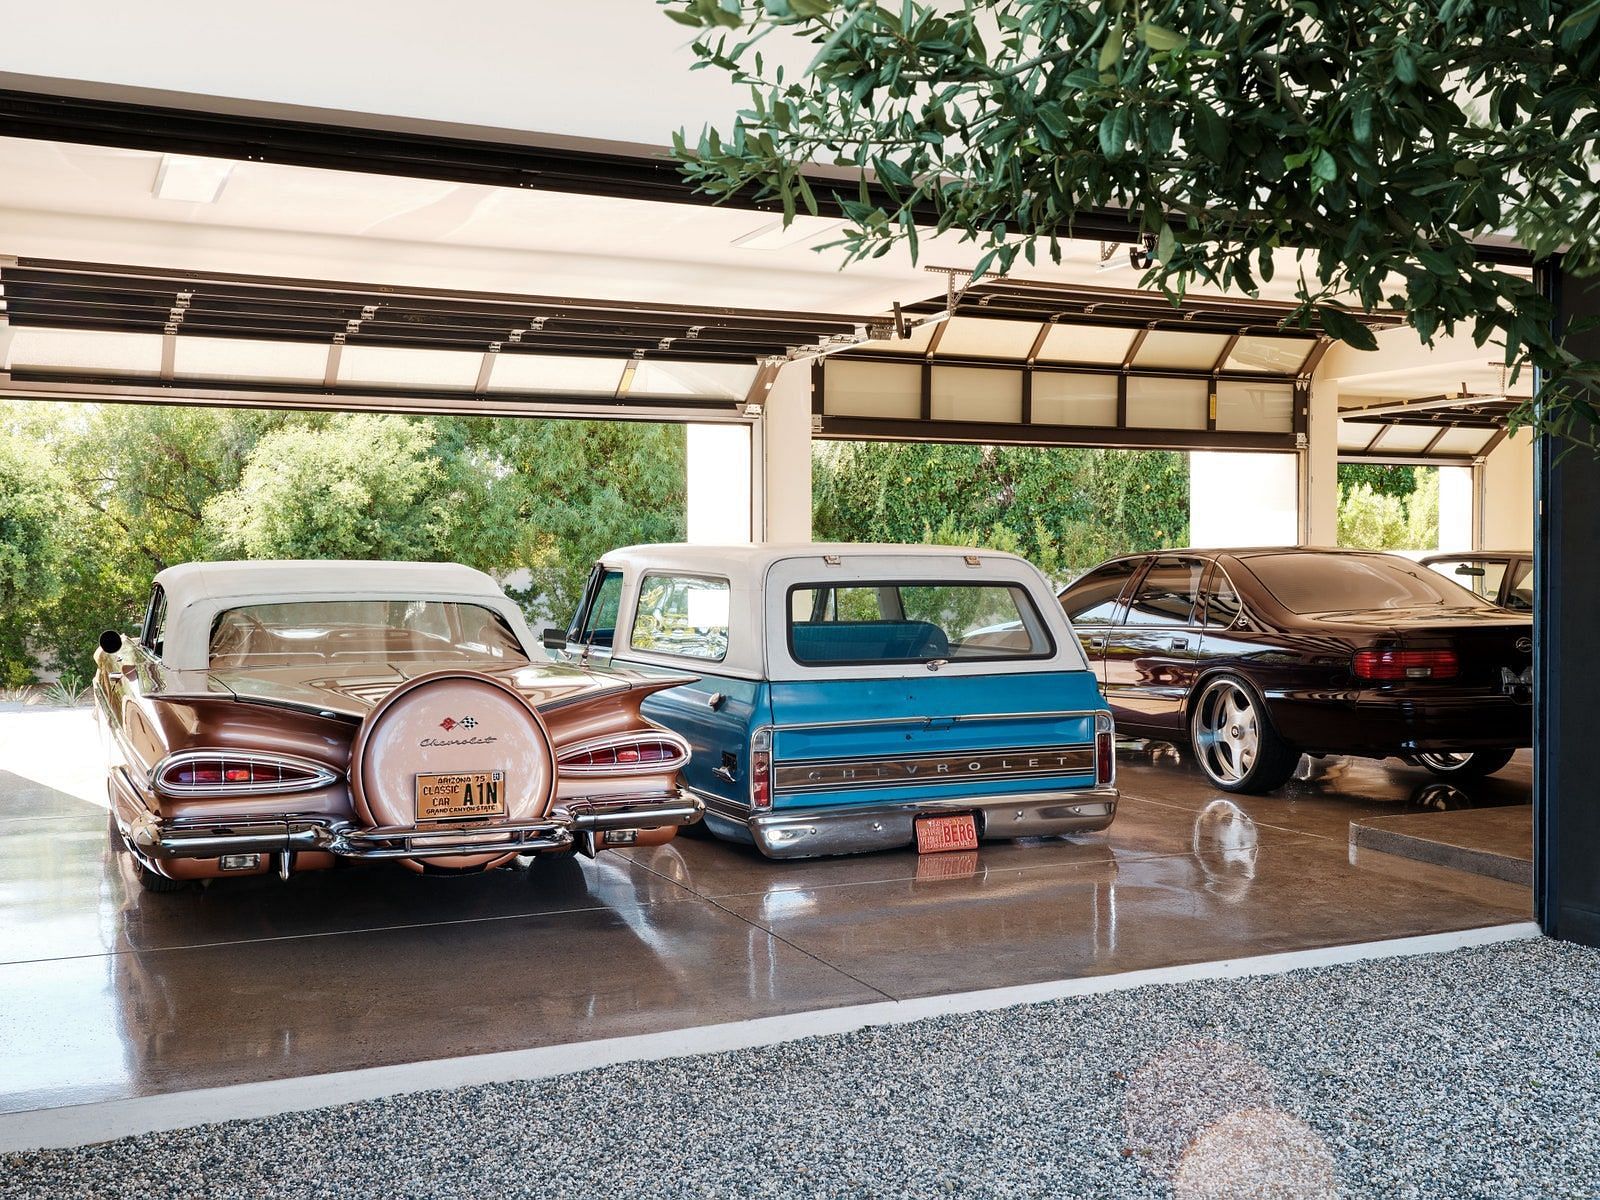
270,246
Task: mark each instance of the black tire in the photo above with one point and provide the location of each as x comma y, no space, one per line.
1464,766
1234,741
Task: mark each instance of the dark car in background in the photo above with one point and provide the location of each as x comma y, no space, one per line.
1503,577
1257,656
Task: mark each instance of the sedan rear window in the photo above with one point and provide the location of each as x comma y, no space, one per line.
316,632
899,622
1338,583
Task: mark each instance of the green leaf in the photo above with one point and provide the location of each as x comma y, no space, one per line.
1166,245
1336,323
1159,37
1053,117
1114,131
1111,49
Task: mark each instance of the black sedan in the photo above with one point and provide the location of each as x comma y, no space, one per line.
1257,656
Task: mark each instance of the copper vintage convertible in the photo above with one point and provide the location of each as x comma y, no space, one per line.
292,715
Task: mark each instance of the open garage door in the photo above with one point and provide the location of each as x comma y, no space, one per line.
94,331
1022,362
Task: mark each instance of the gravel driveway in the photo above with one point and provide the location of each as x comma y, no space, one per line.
1474,1073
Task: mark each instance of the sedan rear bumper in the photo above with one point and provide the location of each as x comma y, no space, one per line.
194,838
805,833
1377,723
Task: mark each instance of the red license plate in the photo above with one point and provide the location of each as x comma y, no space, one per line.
938,834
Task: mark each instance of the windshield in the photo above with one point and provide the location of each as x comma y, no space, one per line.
1338,583
899,622
328,632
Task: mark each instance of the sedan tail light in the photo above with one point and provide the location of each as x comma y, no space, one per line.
761,769
220,773
625,754
1105,751
1391,665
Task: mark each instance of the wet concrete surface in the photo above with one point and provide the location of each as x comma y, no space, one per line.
1494,842
107,992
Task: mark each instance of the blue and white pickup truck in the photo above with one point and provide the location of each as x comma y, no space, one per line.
860,697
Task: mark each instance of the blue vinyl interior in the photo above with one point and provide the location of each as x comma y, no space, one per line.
868,641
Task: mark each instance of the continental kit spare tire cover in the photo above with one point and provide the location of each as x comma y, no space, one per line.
451,748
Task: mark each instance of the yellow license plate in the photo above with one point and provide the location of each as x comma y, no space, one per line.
461,795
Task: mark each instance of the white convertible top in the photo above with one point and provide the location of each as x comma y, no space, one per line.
197,592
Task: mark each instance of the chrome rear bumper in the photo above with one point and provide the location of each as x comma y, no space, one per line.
194,838
804,833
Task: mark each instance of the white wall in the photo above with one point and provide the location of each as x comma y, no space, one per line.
718,470
599,69
786,477
1508,495
1455,508
1243,499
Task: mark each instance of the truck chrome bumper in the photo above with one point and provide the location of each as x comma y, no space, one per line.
190,838
804,833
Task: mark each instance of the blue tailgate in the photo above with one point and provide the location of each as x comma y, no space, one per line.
874,741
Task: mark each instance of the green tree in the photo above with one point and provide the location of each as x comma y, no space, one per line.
562,493
1374,519
38,516
352,486
1066,509
1377,142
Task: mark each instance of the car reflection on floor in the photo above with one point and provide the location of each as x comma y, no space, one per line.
113,993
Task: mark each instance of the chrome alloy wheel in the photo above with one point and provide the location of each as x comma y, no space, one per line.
1444,762
1227,731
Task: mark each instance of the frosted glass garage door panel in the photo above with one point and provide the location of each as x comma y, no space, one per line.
1062,399
1155,403
1463,441
1270,355
554,374
243,360
1406,439
977,394
395,367
973,337
1176,350
1264,407
1097,345
84,352
681,380
867,389
1356,435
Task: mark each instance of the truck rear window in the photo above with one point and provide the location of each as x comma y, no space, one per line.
900,622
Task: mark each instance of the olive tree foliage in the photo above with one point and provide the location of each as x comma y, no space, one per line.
1373,519
1066,510
363,486
1375,139
36,523
94,500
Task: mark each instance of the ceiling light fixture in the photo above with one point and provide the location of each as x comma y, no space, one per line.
193,180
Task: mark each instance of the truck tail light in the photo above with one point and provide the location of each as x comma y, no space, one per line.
761,769
624,754
1391,665
1105,751
217,772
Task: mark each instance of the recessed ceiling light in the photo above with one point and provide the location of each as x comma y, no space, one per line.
195,180
774,236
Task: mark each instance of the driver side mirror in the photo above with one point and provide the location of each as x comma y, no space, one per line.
553,638
111,642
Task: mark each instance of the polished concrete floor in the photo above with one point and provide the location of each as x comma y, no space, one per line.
106,992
